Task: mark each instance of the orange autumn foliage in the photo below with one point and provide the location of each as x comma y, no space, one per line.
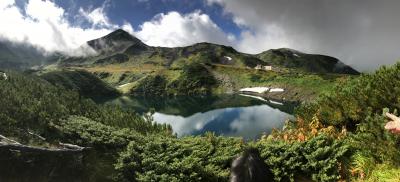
301,130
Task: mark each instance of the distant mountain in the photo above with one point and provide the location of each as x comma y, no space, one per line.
121,47
133,67
19,56
290,58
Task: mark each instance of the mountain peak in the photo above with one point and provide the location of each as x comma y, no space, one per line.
117,40
120,35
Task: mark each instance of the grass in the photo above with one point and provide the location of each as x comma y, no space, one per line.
244,77
120,68
232,77
384,173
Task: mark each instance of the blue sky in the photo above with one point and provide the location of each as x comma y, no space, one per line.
361,33
138,11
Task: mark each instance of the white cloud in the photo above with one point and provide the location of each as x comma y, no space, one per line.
96,16
173,29
250,122
128,27
45,25
270,37
6,3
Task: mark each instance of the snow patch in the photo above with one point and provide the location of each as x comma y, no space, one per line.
294,54
262,99
255,89
255,97
274,102
123,85
276,90
227,57
261,89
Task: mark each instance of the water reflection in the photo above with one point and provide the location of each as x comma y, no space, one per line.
228,115
248,122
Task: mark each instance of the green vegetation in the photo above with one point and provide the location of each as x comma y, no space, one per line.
316,158
194,79
356,107
85,83
204,158
151,85
289,58
33,104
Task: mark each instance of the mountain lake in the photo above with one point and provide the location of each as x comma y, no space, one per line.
235,115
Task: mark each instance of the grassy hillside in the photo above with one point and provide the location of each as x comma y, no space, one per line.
135,68
293,59
81,81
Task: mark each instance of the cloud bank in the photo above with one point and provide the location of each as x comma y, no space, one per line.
44,25
173,29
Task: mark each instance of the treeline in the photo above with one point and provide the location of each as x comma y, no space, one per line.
31,104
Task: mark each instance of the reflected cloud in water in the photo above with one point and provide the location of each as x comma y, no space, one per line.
248,122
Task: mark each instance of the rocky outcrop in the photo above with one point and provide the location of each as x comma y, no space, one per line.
249,167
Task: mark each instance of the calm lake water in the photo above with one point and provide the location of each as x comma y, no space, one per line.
228,115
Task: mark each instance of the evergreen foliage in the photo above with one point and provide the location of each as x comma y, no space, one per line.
85,83
206,158
151,86
32,104
318,158
352,101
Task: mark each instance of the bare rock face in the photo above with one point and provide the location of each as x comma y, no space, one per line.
250,168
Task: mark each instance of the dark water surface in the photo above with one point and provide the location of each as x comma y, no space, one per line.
228,115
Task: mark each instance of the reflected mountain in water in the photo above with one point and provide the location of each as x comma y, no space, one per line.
188,105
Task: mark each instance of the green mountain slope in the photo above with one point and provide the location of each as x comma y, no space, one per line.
19,56
120,45
81,81
290,58
133,67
